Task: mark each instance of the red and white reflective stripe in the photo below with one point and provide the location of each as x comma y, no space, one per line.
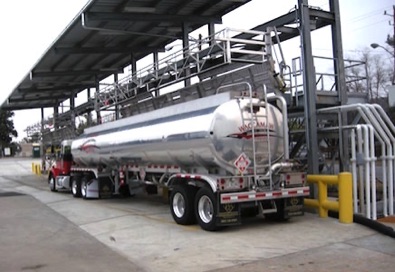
81,169
154,167
256,196
188,176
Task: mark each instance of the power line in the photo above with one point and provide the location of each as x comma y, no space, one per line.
368,14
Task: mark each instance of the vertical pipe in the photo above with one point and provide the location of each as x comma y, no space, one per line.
384,159
354,170
373,169
322,197
360,172
367,172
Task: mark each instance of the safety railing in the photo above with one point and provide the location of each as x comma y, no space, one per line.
364,162
197,58
344,203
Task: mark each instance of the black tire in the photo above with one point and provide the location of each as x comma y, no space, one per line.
181,205
84,188
76,187
124,191
206,209
52,183
280,215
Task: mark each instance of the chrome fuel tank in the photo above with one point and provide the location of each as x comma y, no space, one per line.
209,132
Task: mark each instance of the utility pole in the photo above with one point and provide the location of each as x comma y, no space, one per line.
393,38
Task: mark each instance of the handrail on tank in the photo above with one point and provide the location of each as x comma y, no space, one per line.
285,123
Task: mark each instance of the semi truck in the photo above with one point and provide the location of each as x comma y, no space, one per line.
215,156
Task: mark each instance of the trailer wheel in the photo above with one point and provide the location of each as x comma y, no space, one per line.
52,183
84,188
181,205
206,209
76,188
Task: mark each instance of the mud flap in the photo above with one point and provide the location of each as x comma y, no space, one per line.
105,188
228,214
294,206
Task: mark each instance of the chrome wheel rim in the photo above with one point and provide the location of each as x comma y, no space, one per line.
205,209
83,189
74,187
52,182
179,205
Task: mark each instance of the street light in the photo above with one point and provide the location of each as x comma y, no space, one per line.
374,46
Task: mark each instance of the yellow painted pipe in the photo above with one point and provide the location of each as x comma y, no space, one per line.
345,198
343,205
329,179
311,203
331,205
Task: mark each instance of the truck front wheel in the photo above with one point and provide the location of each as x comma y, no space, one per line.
206,209
181,205
52,183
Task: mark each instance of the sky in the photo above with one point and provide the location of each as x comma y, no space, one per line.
29,27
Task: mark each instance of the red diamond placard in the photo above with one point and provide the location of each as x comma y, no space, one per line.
242,162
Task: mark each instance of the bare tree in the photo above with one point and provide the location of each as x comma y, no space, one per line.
372,77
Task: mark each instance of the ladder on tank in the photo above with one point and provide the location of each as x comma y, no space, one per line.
258,154
252,119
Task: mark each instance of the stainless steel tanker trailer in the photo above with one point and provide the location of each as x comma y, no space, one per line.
215,156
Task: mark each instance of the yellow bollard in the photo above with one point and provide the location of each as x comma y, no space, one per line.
33,167
38,169
345,198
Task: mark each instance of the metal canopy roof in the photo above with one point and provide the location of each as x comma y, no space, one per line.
102,40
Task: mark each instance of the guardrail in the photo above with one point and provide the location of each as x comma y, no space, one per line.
344,203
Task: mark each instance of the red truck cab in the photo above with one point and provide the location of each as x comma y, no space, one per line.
59,173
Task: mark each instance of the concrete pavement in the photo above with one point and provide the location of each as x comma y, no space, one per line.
33,237
139,232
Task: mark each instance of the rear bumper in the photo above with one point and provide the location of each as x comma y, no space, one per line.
259,196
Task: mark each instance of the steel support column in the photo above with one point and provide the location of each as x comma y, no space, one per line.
185,44
42,151
72,114
156,61
116,97
309,86
340,82
89,116
55,117
97,101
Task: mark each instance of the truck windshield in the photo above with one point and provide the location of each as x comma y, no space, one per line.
66,156
66,149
